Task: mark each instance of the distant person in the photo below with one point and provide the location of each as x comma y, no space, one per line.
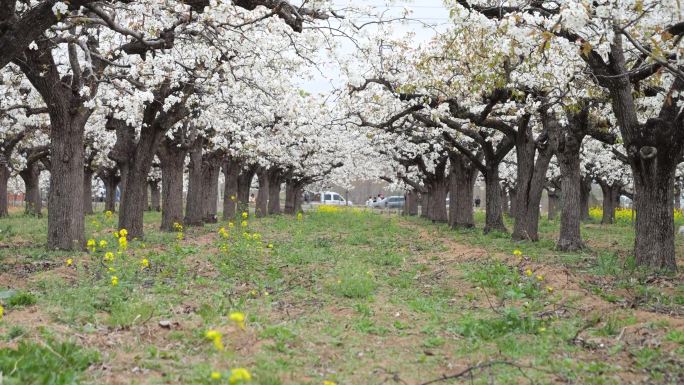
477,202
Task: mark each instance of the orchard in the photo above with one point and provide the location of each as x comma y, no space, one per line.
168,212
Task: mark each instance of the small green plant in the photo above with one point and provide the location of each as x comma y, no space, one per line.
21,299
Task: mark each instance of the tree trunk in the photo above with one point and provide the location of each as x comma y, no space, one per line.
155,195
505,205
31,177
244,185
110,183
293,197
462,182
493,215
274,182
193,203
437,210
410,203
425,204
231,171
531,175
261,207
570,238
4,178
654,203
677,197
172,162
88,192
585,193
211,169
611,195
66,228
554,203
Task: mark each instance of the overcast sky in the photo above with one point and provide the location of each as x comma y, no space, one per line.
431,12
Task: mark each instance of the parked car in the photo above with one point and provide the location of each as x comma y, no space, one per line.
330,198
393,202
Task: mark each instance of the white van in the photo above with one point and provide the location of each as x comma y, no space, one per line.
330,198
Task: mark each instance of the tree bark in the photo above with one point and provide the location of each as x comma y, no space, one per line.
244,185
411,203
293,197
493,215
88,192
678,196
274,182
437,210
425,204
462,182
31,177
111,181
261,207
4,179
194,212
585,193
611,195
554,203
231,171
172,160
570,238
155,195
211,169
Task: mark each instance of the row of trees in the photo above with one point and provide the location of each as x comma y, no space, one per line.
552,94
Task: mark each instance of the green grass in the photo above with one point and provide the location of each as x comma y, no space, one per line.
347,296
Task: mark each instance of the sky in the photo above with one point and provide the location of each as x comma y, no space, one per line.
430,12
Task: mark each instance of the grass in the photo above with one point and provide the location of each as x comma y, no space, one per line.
348,296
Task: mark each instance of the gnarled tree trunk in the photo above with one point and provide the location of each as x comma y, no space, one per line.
554,203
194,212
155,195
4,179
611,196
244,184
585,194
410,203
211,169
261,207
231,171
462,182
31,177
172,162
493,215
274,182
293,196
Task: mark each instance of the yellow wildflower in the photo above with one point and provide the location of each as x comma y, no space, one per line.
179,236
111,269
542,330
540,277
116,234
245,215
123,243
123,233
270,246
299,216
244,223
145,263
109,256
108,214
115,280
2,311
103,244
69,262
215,375
549,289
232,198
528,272
238,318
222,232
256,236
91,244
177,226
326,382
517,252
239,375
215,337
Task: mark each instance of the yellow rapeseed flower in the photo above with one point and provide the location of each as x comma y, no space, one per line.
256,236
145,263
103,244
231,225
528,272
239,375
123,233
177,226
244,223
123,243
215,375
549,289
115,280
540,277
517,252
91,243
270,246
2,311
299,216
69,262
245,215
116,234
109,256
222,232
542,330
238,318
179,236
326,382
108,214
215,337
